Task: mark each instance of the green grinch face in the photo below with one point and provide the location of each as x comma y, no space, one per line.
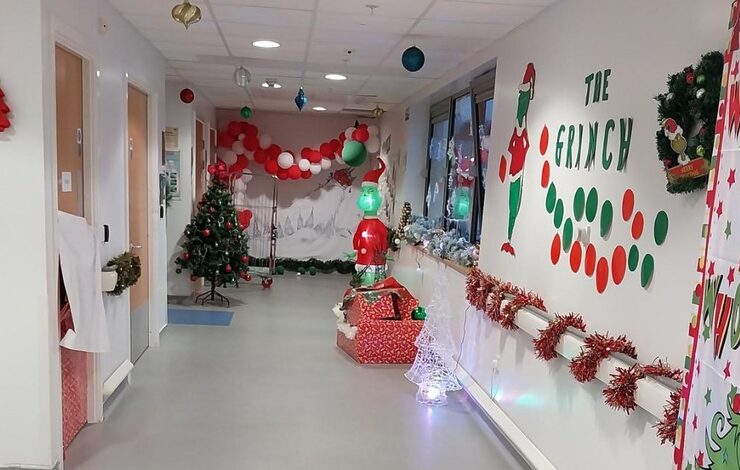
370,200
523,106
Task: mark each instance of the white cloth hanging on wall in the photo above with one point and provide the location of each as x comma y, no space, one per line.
79,253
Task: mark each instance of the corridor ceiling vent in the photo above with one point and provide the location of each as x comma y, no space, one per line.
186,13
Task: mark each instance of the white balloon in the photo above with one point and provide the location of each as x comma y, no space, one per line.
249,155
373,130
240,199
285,160
348,133
241,137
304,164
240,186
265,141
238,147
325,163
228,157
373,145
246,178
315,168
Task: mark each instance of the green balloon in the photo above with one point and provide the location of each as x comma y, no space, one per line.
354,153
246,112
279,270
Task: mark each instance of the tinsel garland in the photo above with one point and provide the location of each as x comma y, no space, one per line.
620,394
487,293
549,338
596,348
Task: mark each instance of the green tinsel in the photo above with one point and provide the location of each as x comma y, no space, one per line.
691,111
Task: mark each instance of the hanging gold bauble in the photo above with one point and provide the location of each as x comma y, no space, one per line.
186,13
378,111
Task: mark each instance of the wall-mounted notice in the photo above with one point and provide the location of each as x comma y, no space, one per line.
172,169
171,138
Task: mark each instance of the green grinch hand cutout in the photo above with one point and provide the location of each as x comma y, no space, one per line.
371,237
518,148
723,445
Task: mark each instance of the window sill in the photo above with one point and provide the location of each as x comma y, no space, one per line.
450,264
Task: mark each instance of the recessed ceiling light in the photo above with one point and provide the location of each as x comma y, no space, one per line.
265,44
335,76
319,108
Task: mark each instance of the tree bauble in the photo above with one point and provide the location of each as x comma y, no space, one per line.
206,232
229,225
227,268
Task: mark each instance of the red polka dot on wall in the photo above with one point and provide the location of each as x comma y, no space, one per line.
602,275
545,181
619,264
638,225
576,255
544,140
628,204
555,249
589,265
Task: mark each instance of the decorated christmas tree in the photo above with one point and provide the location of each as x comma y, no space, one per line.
433,369
215,246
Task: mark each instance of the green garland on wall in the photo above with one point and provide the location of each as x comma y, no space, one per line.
303,266
691,101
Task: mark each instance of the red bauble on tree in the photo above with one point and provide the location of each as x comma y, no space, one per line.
185,256
227,268
245,259
206,232
246,276
229,225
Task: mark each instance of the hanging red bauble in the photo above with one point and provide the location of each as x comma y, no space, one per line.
206,232
245,259
187,96
211,170
185,256
227,268
229,225
689,75
246,276
212,210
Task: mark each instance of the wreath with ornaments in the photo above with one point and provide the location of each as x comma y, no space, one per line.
687,114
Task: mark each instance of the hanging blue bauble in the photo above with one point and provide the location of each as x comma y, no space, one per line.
300,99
413,59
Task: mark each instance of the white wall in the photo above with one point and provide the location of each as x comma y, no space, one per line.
29,354
30,390
183,116
566,42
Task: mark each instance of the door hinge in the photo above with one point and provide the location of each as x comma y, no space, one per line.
130,148
78,139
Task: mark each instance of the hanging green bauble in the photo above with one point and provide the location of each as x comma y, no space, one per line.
312,270
413,59
354,153
700,79
700,151
246,112
419,313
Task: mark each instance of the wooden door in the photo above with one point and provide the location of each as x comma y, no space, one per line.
138,200
70,155
200,161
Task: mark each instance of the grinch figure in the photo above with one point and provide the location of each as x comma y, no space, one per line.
518,147
371,237
723,451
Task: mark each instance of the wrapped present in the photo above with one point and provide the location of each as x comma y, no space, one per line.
375,324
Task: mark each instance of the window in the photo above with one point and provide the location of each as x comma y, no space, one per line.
460,130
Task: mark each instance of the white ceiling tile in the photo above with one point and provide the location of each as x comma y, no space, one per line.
182,36
289,4
445,10
261,31
461,29
158,8
242,42
362,23
264,16
167,23
249,52
386,8
356,39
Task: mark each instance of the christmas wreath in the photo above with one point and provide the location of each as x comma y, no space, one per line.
128,267
687,114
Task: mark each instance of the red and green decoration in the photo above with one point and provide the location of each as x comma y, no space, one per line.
687,113
215,246
4,111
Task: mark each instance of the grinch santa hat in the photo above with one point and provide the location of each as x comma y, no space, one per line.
372,177
528,80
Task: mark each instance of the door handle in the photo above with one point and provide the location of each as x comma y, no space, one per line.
135,247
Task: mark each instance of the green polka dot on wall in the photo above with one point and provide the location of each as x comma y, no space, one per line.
607,216
552,196
579,203
567,234
660,228
559,212
634,258
592,204
647,271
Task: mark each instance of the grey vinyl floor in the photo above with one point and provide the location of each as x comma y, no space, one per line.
272,392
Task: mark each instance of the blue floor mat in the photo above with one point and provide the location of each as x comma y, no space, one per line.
183,316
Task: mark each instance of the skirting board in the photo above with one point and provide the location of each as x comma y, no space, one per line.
529,452
116,378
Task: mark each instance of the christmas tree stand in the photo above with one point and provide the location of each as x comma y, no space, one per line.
212,296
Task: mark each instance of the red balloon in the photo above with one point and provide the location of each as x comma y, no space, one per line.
211,170
242,161
306,174
244,217
361,134
305,152
234,128
363,125
274,151
342,138
187,96
250,130
282,173
335,144
271,167
251,143
260,156
225,139
294,172
314,156
245,126
326,150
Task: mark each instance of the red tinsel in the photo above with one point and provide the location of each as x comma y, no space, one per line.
521,299
475,289
596,348
620,393
549,338
666,428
